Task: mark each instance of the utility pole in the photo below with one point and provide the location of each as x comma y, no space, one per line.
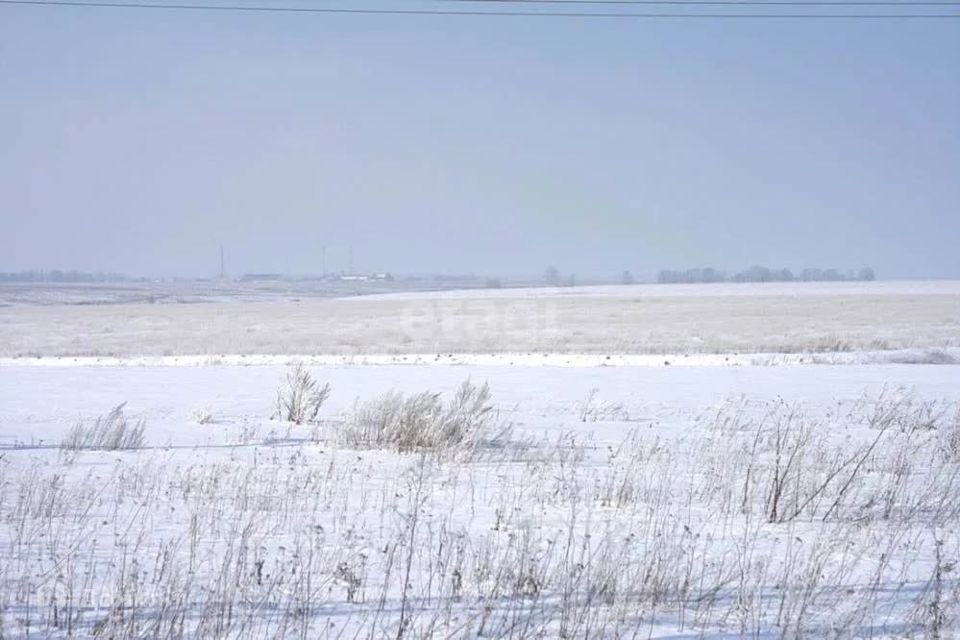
323,260
223,271
350,261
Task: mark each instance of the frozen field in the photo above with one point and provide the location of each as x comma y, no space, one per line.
716,462
672,502
612,320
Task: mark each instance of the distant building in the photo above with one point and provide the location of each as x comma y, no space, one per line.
261,277
357,277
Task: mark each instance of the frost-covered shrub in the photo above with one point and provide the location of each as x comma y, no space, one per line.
590,410
111,432
300,399
422,421
950,438
203,416
901,409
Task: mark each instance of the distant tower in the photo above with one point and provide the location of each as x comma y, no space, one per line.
323,260
223,271
350,262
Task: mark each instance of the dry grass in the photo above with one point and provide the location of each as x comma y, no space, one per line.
300,398
110,432
625,323
423,422
648,537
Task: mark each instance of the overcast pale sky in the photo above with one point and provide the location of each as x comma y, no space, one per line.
139,141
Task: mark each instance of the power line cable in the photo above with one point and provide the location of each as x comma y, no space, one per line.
475,13
773,3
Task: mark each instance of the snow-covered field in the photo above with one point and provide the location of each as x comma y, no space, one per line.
707,462
700,501
613,320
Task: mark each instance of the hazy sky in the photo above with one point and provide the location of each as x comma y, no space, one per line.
139,141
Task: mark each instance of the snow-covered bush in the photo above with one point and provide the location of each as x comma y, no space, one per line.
590,410
300,399
111,432
901,409
422,421
203,416
950,438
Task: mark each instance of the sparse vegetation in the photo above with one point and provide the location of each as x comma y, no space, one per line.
422,421
204,416
592,410
300,398
757,520
642,319
110,432
950,438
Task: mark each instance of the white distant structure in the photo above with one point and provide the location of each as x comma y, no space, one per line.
358,277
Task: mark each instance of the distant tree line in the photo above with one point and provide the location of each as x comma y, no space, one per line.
56,275
553,278
764,274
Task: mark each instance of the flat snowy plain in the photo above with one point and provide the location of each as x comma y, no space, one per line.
608,320
601,497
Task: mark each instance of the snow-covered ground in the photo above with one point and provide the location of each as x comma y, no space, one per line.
946,355
695,290
634,320
750,461
698,501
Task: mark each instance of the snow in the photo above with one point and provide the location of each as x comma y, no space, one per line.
693,290
948,355
283,520
628,320
709,461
